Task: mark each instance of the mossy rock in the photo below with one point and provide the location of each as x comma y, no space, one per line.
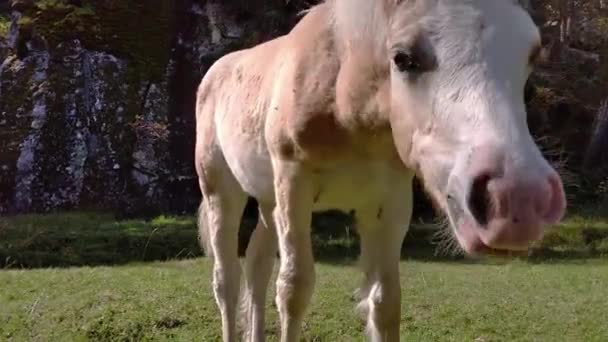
139,31
22,5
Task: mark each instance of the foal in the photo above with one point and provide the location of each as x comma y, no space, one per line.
341,113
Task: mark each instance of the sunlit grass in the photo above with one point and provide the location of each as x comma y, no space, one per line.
559,295
449,301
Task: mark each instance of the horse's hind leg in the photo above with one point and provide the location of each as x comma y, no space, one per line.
222,208
259,262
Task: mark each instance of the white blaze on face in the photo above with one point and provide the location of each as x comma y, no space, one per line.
484,65
473,94
464,111
479,86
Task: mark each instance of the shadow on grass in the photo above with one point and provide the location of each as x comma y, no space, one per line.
423,250
91,239
94,239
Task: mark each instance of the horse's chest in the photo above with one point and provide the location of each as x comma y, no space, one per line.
352,186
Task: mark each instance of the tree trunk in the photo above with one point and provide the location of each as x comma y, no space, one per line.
596,157
566,22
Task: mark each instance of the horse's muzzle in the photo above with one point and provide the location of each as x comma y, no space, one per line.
508,210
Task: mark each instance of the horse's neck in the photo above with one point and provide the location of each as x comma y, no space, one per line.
363,93
363,99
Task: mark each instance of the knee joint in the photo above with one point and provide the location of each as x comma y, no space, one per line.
385,301
294,290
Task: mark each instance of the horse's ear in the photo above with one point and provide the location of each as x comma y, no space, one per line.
525,4
389,5
531,7
392,3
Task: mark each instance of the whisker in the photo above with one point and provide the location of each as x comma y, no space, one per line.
444,239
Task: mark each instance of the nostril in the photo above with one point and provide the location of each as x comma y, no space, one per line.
480,199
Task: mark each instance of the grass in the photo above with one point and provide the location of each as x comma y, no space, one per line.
441,302
81,238
91,239
104,279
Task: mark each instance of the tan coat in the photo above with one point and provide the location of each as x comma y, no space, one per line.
340,114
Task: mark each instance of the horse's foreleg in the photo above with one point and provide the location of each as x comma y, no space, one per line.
223,210
382,231
259,262
292,214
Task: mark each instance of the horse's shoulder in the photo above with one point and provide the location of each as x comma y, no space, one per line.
330,102
302,88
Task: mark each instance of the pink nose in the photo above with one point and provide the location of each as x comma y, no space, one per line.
512,208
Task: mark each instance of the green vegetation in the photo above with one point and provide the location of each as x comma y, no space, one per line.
441,302
558,294
140,31
76,239
88,238
5,23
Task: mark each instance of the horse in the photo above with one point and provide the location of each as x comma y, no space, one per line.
342,112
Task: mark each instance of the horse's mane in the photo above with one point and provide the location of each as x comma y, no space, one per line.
364,23
360,23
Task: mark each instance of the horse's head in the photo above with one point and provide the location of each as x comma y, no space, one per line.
458,71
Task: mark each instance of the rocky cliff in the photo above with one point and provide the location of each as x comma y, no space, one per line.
97,97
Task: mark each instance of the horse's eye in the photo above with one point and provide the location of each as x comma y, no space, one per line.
406,62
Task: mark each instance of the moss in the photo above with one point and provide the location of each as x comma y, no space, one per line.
5,23
13,128
139,31
15,94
